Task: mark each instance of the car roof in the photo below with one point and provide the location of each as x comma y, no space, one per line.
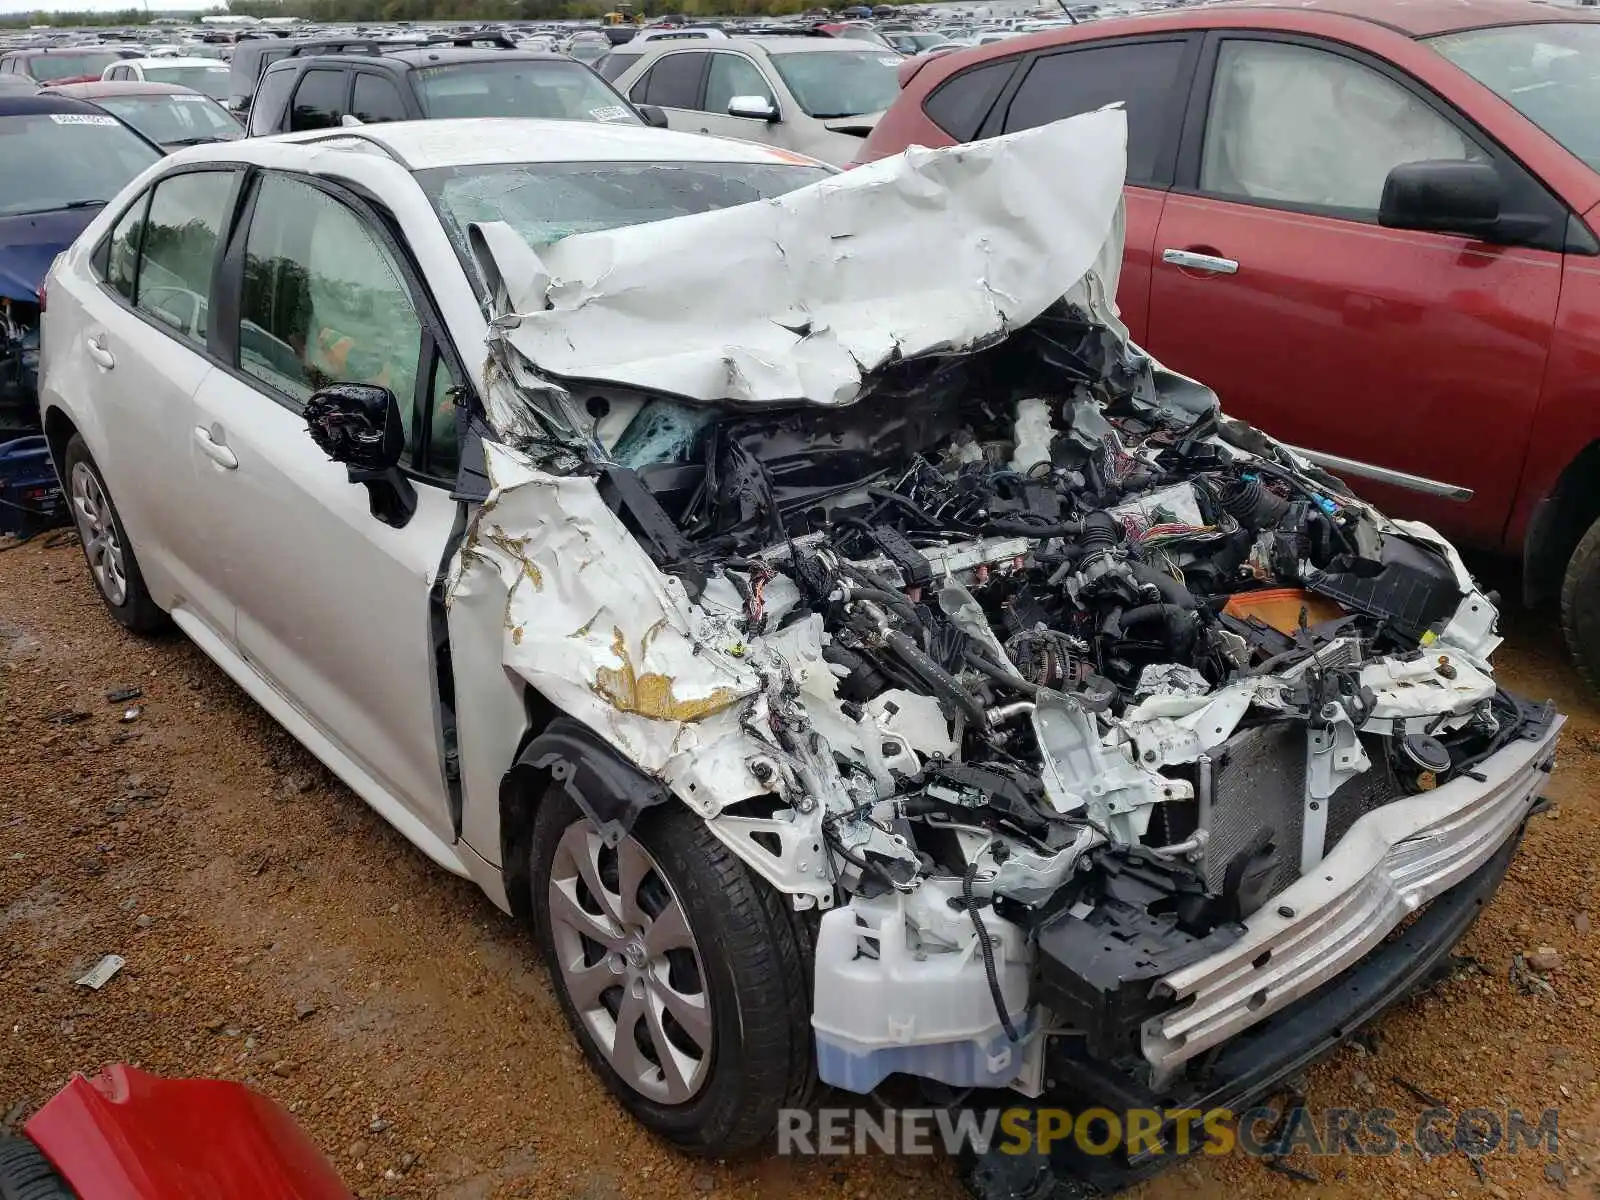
1424,18
428,56
454,142
121,87
174,60
771,45
26,106
46,51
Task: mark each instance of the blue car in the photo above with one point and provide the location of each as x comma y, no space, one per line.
60,161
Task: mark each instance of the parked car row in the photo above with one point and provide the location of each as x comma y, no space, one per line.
851,659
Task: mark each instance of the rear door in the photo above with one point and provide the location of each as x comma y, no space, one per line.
1278,288
1149,76
676,83
143,344
332,606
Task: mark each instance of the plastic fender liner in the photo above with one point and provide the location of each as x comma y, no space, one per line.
610,790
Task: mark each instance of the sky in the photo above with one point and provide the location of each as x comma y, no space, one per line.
162,6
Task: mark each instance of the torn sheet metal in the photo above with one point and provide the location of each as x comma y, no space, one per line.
798,298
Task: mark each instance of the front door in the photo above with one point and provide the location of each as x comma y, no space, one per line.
331,605
1276,286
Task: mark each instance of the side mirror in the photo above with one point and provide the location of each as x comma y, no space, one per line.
360,425
1449,196
654,115
754,108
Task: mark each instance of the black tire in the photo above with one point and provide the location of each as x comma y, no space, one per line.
25,1174
135,611
1580,606
757,979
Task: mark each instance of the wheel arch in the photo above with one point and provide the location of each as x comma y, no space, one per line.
557,749
58,431
1559,521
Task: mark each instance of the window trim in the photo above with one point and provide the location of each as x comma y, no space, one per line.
1187,181
435,339
1163,168
100,259
343,105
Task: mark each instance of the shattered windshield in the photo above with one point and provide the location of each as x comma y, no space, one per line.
545,202
1548,73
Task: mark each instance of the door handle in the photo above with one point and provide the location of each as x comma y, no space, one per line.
1189,260
215,450
103,358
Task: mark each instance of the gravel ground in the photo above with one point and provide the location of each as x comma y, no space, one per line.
278,932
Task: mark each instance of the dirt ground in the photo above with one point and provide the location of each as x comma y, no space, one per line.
277,932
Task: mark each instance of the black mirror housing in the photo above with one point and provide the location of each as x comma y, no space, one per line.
361,426
1442,196
654,115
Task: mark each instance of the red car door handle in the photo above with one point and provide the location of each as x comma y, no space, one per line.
1193,260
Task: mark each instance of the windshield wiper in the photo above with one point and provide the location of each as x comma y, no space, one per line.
193,141
62,207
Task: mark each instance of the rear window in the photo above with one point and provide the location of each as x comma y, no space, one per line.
48,68
213,81
51,161
959,105
520,88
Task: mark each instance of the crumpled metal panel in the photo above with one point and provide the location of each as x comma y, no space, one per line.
799,298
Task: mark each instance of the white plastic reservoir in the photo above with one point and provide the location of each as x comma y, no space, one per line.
901,986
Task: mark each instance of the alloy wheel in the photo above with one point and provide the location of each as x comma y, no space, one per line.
97,529
630,964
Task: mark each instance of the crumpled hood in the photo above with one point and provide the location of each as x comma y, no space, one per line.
801,298
29,244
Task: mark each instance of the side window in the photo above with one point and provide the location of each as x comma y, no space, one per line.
674,82
266,113
442,458
734,75
614,64
187,213
1290,124
122,253
323,300
959,105
318,101
641,86
1139,74
376,100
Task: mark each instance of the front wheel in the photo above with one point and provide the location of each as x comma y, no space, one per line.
685,978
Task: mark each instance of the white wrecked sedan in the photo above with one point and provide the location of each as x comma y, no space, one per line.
793,595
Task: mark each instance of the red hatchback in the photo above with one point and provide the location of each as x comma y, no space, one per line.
1370,226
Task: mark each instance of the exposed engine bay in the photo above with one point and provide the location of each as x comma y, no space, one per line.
1049,686
19,366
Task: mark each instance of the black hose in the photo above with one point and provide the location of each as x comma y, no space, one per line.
1180,622
893,600
1042,529
915,510
1171,590
987,947
999,674
946,687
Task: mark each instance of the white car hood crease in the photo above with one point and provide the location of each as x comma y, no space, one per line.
800,298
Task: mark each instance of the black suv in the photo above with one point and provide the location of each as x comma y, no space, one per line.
443,80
